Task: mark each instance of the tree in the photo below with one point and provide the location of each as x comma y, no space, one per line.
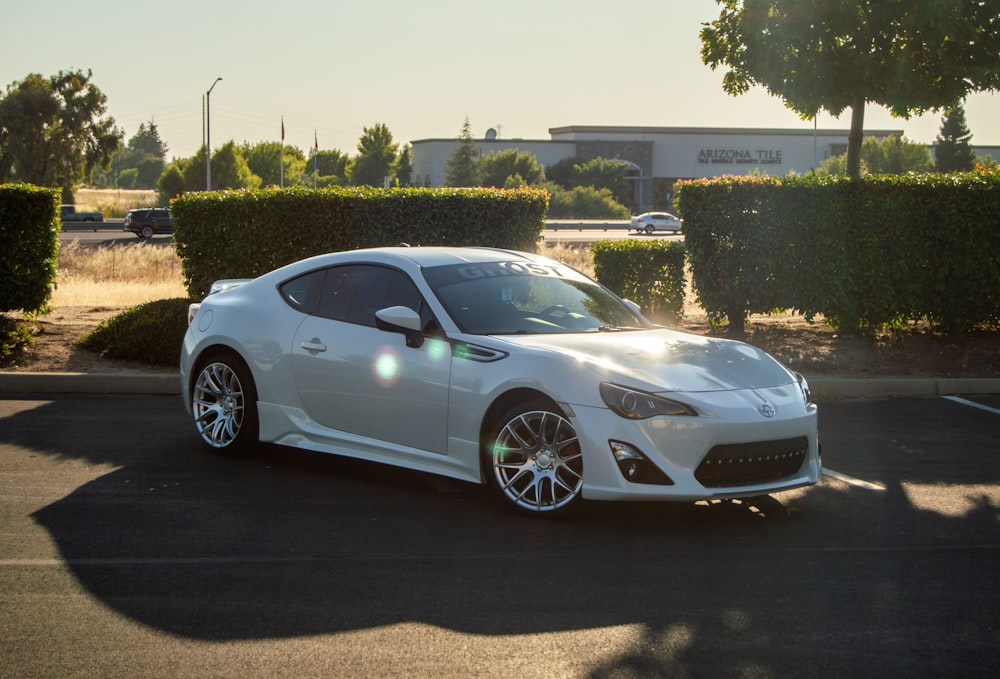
895,155
493,169
404,167
194,172
171,182
332,163
148,171
147,141
892,155
460,167
230,169
910,56
264,160
603,173
952,149
52,132
376,157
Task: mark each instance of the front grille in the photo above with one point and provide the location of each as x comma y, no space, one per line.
744,464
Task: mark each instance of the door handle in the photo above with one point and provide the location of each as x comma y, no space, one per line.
313,345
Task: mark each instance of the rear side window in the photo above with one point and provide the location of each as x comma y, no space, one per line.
303,293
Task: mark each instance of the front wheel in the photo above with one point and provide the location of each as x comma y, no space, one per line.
224,405
534,460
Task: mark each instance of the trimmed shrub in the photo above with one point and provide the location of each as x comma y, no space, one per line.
29,241
649,272
151,333
868,254
242,234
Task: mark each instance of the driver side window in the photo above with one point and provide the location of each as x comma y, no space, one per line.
353,293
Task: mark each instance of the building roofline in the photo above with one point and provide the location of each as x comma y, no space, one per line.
636,129
492,141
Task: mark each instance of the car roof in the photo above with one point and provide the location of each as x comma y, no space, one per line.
429,256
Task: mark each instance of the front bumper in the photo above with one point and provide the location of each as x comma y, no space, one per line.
729,450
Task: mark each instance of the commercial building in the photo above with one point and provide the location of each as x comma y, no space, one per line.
659,156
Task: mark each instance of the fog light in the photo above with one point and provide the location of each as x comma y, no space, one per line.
636,467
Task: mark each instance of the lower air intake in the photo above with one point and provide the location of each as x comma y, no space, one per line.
745,464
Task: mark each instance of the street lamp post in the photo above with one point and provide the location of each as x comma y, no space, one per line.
208,136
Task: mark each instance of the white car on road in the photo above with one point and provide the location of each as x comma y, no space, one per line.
497,367
652,221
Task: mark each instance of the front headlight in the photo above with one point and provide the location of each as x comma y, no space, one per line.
804,386
640,405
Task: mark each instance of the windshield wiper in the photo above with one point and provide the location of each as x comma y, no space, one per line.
614,328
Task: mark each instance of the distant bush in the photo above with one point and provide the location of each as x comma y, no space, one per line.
151,333
584,202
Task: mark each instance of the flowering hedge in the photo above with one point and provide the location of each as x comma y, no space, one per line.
242,234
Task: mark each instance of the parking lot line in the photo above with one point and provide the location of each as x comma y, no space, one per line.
868,485
967,402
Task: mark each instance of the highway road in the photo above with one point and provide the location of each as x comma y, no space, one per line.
126,549
111,233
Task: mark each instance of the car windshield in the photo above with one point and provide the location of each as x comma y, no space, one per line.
511,298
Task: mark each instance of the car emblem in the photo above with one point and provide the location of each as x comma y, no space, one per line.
767,410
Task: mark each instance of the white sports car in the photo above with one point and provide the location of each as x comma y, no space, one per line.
497,367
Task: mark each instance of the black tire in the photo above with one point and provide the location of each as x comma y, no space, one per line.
650,229
147,232
532,459
224,405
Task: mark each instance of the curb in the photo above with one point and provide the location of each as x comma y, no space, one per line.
823,388
833,388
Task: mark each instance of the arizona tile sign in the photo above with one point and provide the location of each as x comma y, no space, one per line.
740,156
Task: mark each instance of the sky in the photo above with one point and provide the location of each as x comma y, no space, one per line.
331,68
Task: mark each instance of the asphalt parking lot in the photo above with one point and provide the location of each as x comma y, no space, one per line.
127,550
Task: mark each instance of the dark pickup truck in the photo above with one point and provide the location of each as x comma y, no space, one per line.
68,213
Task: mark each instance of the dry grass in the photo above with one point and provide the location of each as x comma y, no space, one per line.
114,202
116,276
577,256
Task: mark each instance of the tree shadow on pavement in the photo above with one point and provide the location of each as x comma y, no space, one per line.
832,580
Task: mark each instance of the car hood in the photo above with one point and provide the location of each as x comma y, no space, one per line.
663,360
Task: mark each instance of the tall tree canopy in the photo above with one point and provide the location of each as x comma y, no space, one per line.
147,140
460,167
910,56
953,148
495,168
376,156
52,132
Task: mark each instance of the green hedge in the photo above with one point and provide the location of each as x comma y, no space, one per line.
242,234
867,254
649,272
29,241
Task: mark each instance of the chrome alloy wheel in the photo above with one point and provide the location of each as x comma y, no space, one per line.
537,462
218,404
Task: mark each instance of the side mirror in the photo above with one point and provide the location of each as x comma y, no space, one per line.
403,320
633,307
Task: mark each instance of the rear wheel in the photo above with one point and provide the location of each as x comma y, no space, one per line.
533,459
650,229
147,232
224,405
